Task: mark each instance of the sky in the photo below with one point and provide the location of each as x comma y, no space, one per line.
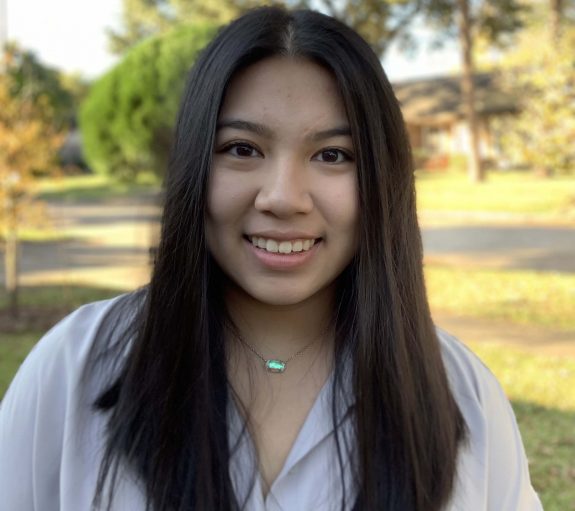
71,35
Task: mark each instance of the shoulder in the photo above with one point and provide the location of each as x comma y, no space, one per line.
56,363
480,397
493,470
44,406
469,377
67,345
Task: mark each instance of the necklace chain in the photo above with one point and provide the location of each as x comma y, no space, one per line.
274,365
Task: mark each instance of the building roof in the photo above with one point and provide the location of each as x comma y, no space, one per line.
438,100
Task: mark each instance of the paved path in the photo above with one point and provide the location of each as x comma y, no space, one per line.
108,246
542,341
503,247
118,234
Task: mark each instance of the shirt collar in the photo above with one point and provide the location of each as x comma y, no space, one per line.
317,427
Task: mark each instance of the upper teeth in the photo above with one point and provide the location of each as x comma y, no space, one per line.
283,247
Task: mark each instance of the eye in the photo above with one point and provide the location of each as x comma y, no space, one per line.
241,150
332,155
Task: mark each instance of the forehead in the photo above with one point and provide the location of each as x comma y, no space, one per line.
284,87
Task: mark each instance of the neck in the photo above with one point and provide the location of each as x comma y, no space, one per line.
279,331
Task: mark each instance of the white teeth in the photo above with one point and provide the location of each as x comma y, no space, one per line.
283,247
272,246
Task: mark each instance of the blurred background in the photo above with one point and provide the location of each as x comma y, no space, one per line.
88,97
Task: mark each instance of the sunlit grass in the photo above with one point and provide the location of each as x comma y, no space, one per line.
66,296
94,186
525,297
543,380
77,188
540,388
13,351
502,192
42,305
542,391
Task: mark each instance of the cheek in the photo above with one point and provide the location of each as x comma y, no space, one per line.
224,200
343,207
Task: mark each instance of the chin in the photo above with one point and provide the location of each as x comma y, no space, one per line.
284,295
281,298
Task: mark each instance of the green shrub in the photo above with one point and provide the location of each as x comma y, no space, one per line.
128,117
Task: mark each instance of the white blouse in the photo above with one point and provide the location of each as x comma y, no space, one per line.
51,443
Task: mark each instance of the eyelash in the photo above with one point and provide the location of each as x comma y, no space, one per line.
234,145
346,155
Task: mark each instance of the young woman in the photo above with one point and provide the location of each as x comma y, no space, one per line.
283,356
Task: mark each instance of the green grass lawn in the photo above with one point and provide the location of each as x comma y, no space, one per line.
94,187
85,187
542,393
503,192
540,388
525,297
13,351
66,296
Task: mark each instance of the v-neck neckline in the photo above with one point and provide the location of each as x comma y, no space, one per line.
316,427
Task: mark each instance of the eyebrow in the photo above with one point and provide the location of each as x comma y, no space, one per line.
265,131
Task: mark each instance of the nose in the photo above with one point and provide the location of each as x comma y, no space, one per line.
284,190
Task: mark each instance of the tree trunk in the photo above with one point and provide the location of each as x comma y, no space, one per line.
468,91
556,14
11,257
11,260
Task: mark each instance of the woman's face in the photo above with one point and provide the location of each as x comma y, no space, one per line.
282,199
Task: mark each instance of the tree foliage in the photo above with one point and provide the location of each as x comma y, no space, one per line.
145,18
127,118
29,140
378,22
492,20
542,69
467,20
31,80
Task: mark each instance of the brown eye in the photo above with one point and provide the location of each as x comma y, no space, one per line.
244,151
241,150
332,156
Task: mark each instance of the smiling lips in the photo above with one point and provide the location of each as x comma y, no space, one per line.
282,247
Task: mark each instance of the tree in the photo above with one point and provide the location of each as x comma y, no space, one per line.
381,22
493,21
142,19
560,12
28,142
378,21
541,71
128,116
35,81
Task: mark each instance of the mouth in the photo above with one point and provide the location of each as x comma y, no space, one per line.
282,246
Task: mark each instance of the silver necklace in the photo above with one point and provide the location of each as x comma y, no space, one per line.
273,365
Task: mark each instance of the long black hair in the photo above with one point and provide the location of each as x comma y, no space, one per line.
167,407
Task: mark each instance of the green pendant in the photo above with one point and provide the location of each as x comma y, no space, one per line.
275,366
